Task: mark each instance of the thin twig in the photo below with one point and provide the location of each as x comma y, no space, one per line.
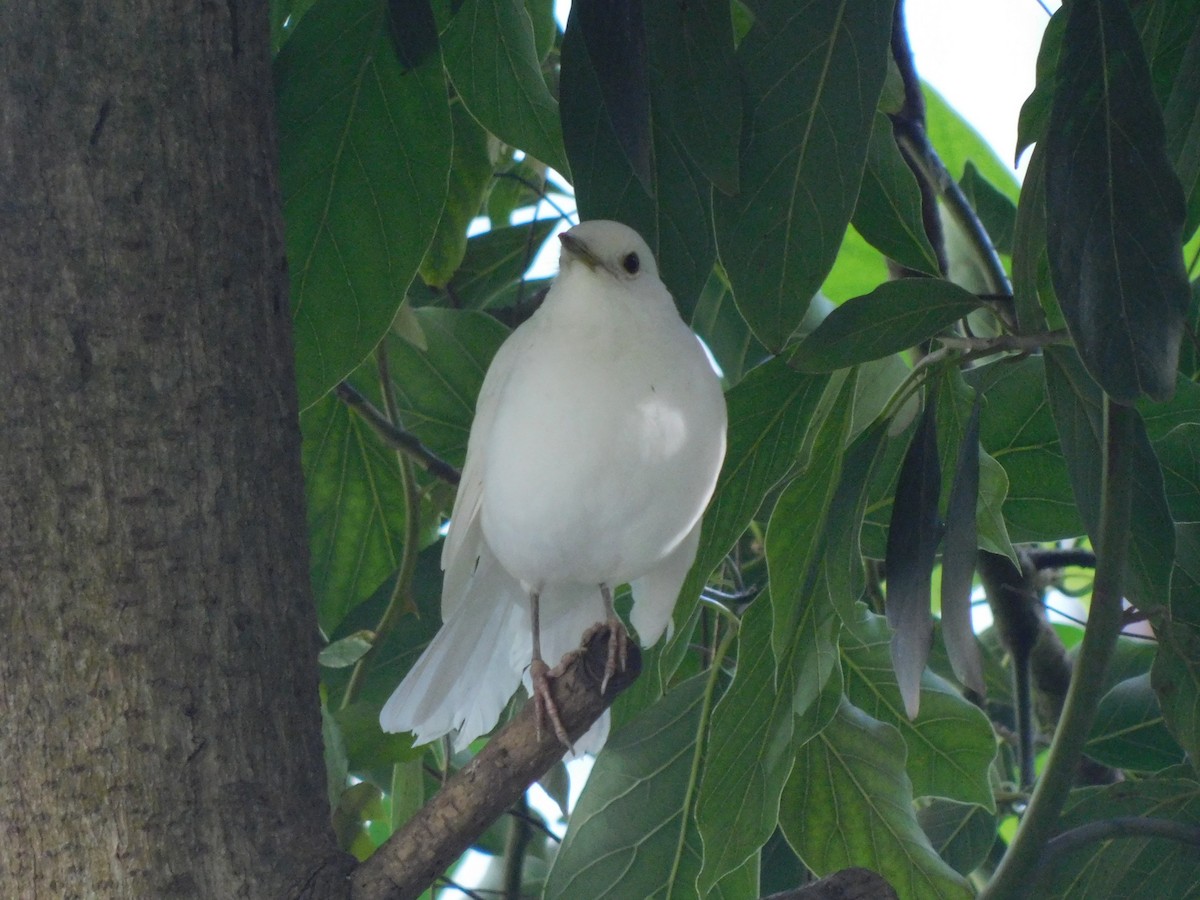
397,438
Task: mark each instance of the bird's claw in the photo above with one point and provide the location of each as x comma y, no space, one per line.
618,650
543,702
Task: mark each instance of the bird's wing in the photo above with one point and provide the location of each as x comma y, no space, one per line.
655,593
464,542
465,677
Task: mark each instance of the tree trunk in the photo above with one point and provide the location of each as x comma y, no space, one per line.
159,724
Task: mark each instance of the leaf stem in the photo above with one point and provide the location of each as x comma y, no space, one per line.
1012,877
401,599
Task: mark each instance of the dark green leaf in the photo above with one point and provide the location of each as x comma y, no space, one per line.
858,269
913,536
1114,207
1171,36
365,149
888,212
958,560
1077,404
672,211
1033,295
1176,672
496,70
614,34
1129,733
895,316
700,83
848,802
1179,453
810,118
1035,111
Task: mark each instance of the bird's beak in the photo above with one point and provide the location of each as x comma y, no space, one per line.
580,251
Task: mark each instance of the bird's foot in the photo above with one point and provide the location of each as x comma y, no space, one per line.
543,702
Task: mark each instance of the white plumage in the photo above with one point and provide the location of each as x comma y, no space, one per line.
598,435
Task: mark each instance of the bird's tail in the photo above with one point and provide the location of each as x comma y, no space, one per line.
465,677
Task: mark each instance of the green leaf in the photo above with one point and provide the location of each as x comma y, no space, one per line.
365,148
670,209
858,269
770,412
346,651
631,833
494,262
436,387
1017,430
1114,208
496,70
888,211
895,316
1035,111
1077,405
1133,866
796,537
848,802
749,755
810,118
355,511
470,178
700,83
725,332
961,833
1129,733
950,743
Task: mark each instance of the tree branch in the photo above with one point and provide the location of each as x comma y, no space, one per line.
848,884
396,438
1118,827
497,777
1011,879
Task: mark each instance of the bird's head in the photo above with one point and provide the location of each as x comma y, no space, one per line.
602,245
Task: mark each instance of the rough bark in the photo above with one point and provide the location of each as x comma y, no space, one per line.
159,728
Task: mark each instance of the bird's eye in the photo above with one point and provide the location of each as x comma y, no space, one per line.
631,263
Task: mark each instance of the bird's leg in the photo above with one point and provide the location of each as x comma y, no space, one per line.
543,701
618,639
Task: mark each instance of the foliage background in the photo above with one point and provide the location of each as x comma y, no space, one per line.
766,150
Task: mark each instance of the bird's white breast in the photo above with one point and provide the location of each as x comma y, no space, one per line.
605,445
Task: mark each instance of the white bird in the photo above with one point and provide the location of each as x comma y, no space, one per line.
598,435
